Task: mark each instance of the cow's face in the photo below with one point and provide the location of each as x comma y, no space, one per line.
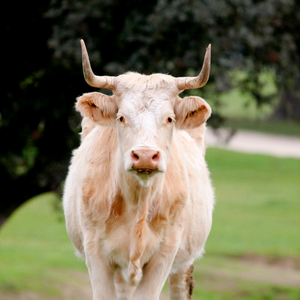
146,111
146,116
145,122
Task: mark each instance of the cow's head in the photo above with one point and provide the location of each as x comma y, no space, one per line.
146,111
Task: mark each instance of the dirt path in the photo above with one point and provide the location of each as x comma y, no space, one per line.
256,269
280,272
81,290
254,142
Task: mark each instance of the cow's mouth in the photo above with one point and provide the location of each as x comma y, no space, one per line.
145,171
144,175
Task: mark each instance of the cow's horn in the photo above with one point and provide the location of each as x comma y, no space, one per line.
185,83
107,82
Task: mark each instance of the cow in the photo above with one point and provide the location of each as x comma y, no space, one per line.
138,198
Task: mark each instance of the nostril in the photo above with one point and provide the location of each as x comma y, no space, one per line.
134,156
155,157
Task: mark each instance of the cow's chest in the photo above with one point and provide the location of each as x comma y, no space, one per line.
121,240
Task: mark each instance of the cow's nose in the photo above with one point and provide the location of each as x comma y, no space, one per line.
145,159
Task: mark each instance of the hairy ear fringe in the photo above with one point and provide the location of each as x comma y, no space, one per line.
191,112
98,107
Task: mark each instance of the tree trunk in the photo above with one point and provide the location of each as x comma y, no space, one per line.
3,219
14,192
14,198
288,107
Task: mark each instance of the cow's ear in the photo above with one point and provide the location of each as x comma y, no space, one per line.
100,108
191,112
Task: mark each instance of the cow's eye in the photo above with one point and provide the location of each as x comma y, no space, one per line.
169,120
122,119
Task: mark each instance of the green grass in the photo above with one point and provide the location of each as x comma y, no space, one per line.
35,249
257,212
257,204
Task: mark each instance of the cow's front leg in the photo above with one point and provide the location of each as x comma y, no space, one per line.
156,272
102,279
181,283
123,289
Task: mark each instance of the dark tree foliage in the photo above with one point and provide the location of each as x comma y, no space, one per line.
42,67
171,36
36,111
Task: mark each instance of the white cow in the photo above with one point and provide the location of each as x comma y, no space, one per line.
138,199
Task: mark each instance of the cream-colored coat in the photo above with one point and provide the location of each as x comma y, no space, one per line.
134,236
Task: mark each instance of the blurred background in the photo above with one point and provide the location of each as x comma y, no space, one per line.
253,251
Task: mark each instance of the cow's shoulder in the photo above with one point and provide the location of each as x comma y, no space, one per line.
99,182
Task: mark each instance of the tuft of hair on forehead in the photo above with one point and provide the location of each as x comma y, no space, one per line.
136,81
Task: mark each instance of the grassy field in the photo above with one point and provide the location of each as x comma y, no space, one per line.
253,251
35,251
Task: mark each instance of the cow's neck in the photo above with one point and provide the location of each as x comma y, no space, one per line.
138,200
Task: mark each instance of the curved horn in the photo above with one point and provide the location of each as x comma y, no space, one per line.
107,82
185,83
